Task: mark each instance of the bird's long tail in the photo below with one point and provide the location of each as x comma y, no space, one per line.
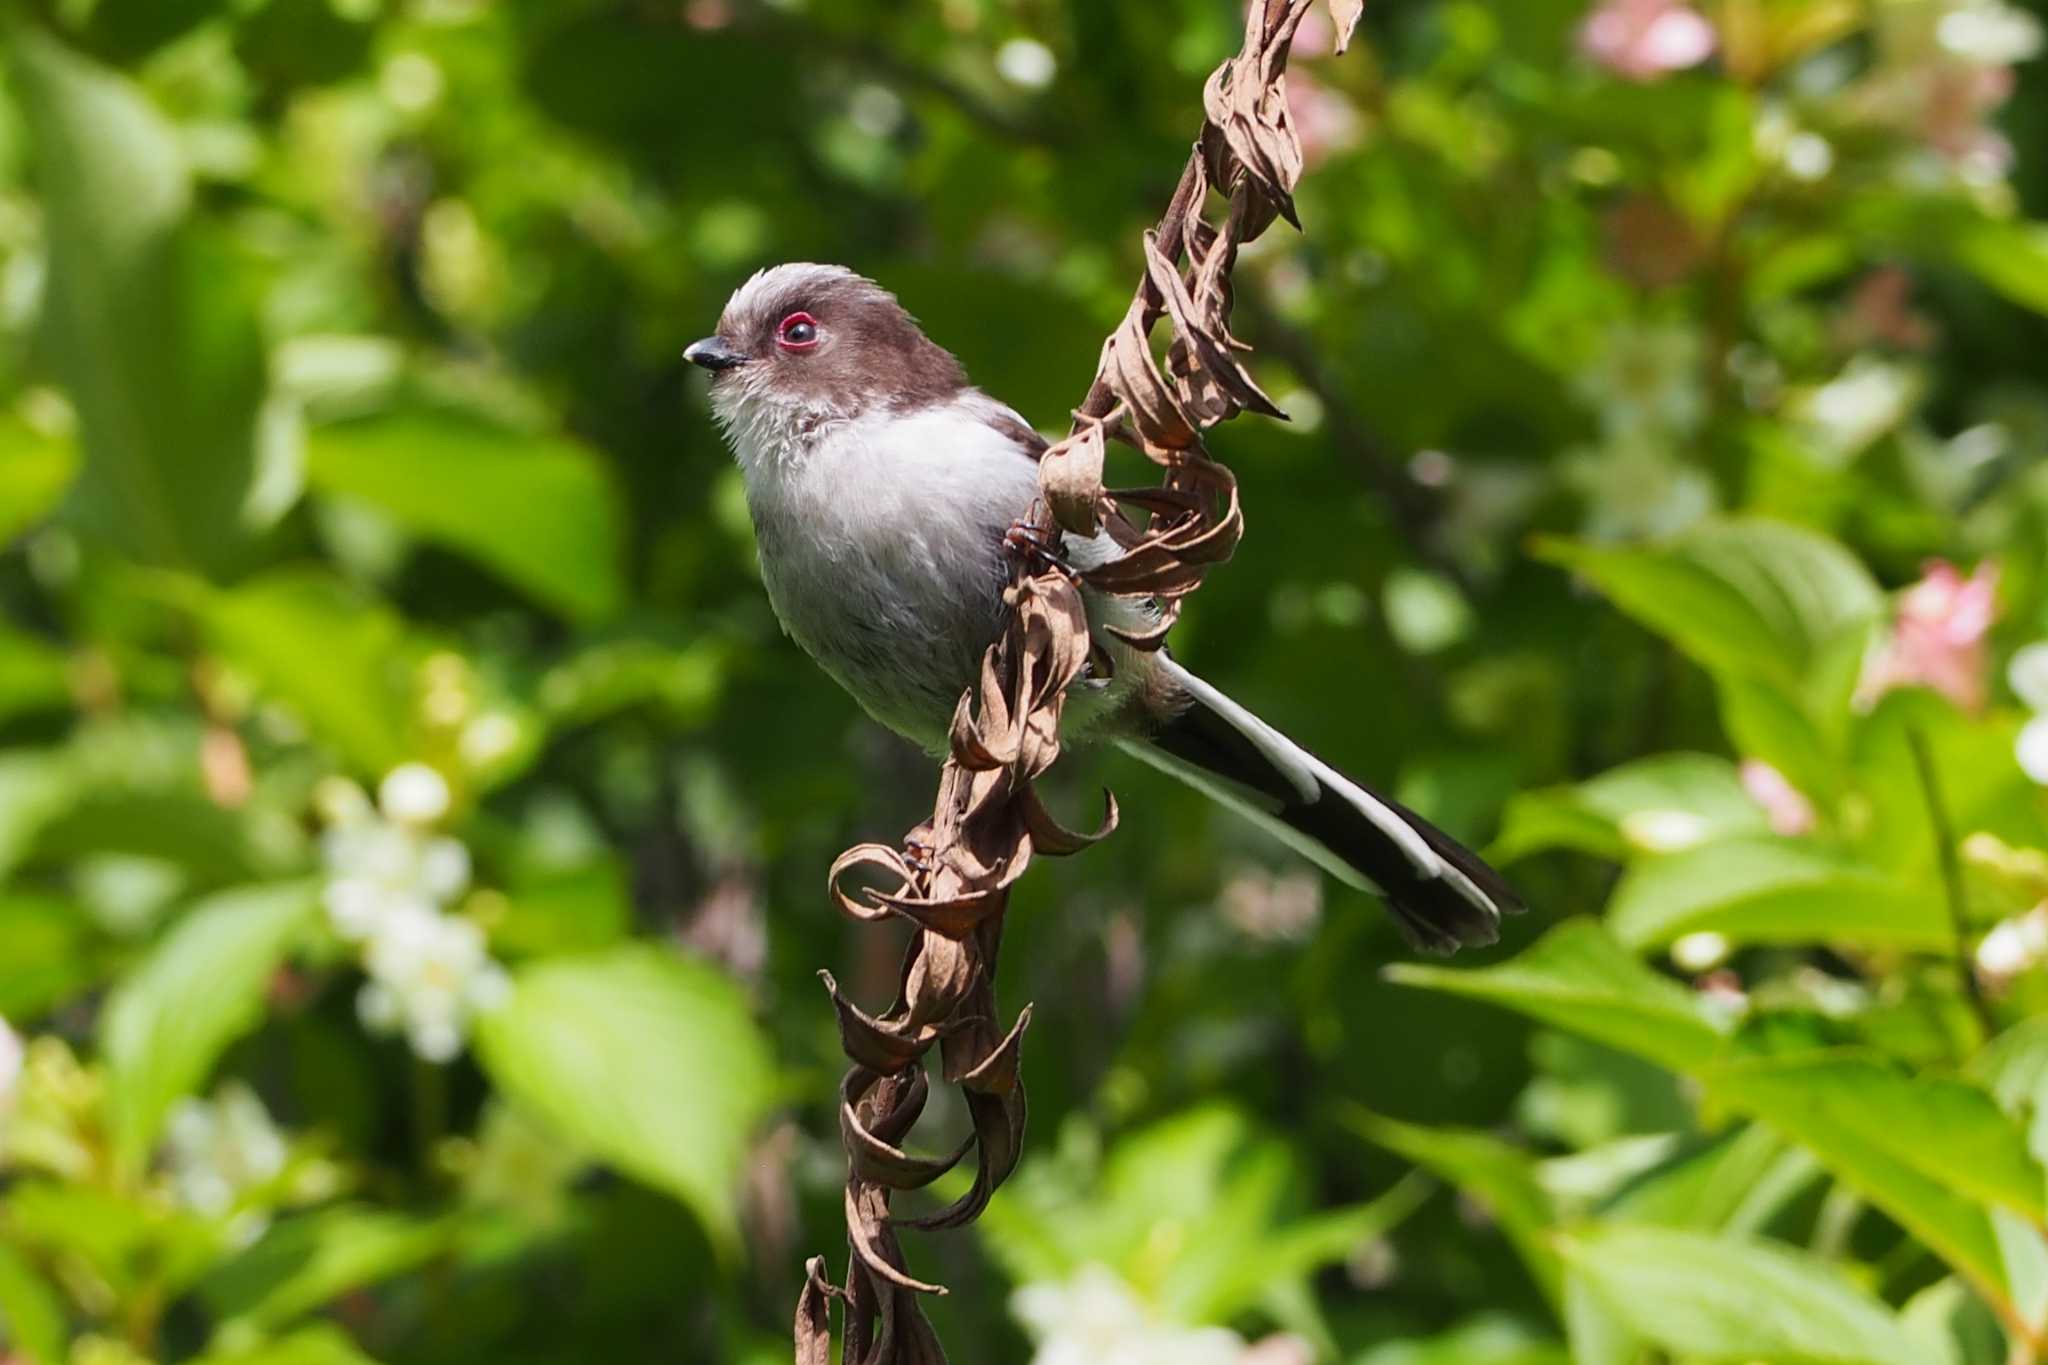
1442,895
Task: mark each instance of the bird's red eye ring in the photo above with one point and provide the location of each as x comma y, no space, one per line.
797,332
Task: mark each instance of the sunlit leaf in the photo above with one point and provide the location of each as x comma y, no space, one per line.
537,509
1593,816
336,659
647,1060
1577,978
31,1313
200,989
1729,1299
150,324
1933,1153
325,1344
1769,890
34,472
1752,598
45,960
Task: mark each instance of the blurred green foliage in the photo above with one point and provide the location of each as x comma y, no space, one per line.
413,825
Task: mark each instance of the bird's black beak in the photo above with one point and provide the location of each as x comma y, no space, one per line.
714,354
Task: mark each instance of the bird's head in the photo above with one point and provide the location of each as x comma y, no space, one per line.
802,345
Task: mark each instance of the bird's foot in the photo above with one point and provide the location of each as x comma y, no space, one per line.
920,856
1037,548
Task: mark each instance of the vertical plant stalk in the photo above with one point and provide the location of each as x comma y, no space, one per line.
953,873
1951,877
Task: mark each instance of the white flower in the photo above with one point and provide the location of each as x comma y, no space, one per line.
2031,748
1989,33
1865,401
2014,945
2028,674
1647,379
379,868
430,976
1095,1319
413,794
216,1151
488,738
12,1054
1700,952
1026,62
1663,831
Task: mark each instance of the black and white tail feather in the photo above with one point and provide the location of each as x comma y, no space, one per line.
1443,897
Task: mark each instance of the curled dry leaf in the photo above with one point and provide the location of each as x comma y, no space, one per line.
1345,14
952,876
1071,475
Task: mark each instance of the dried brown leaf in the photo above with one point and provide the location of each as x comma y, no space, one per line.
1070,473
813,1315
1344,16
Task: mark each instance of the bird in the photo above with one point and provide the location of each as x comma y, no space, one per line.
883,487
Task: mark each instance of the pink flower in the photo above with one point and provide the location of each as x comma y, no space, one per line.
1646,40
1791,814
1938,641
1324,119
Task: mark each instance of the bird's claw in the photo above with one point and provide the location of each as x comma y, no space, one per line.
920,857
1037,548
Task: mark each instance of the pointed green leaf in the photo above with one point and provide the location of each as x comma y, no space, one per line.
150,325
335,659
200,989
1770,890
1500,1176
537,509
1753,598
1933,1153
1577,978
1727,1299
645,1059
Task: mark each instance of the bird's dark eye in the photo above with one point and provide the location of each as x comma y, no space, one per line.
798,332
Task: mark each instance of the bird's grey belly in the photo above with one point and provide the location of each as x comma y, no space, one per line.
899,623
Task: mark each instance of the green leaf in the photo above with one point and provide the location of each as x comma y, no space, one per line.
1752,598
1769,890
200,989
33,676
1597,1334
2014,1067
1931,1152
31,1313
307,1261
1708,1298
35,788
648,1060
1595,816
46,959
150,326
322,1345
338,660
1500,1176
537,509
1739,1184
1578,979
34,472
2011,257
